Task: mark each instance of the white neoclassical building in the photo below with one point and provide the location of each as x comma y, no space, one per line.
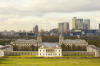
26,44
93,48
50,49
3,49
1,53
77,42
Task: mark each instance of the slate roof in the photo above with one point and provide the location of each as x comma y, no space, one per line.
76,41
24,41
3,47
49,45
94,47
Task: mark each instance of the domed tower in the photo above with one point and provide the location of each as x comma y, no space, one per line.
61,39
39,39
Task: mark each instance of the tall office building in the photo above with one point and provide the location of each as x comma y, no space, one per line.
60,27
74,20
77,24
99,26
66,27
86,24
80,24
63,27
35,29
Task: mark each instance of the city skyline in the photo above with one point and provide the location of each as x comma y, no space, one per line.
94,24
25,14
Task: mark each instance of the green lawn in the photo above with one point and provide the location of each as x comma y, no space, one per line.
31,61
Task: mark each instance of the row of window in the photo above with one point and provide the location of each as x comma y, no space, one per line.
50,54
50,50
24,44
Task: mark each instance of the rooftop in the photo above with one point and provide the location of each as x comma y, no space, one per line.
3,47
94,47
49,45
76,41
22,41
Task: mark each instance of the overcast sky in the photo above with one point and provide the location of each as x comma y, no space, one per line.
25,14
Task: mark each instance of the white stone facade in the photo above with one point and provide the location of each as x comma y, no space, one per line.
47,50
27,42
1,53
5,48
93,48
53,52
24,42
77,42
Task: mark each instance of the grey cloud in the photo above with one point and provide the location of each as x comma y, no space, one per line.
40,7
27,12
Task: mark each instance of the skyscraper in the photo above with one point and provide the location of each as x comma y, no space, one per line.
77,24
86,24
35,29
74,20
66,27
60,27
63,27
80,24
99,26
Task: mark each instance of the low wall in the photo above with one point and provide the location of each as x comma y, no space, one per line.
16,53
64,53
77,53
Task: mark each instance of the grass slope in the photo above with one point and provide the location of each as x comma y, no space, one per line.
29,61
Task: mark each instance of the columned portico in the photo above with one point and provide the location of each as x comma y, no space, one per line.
46,50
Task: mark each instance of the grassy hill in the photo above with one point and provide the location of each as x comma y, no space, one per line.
29,61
